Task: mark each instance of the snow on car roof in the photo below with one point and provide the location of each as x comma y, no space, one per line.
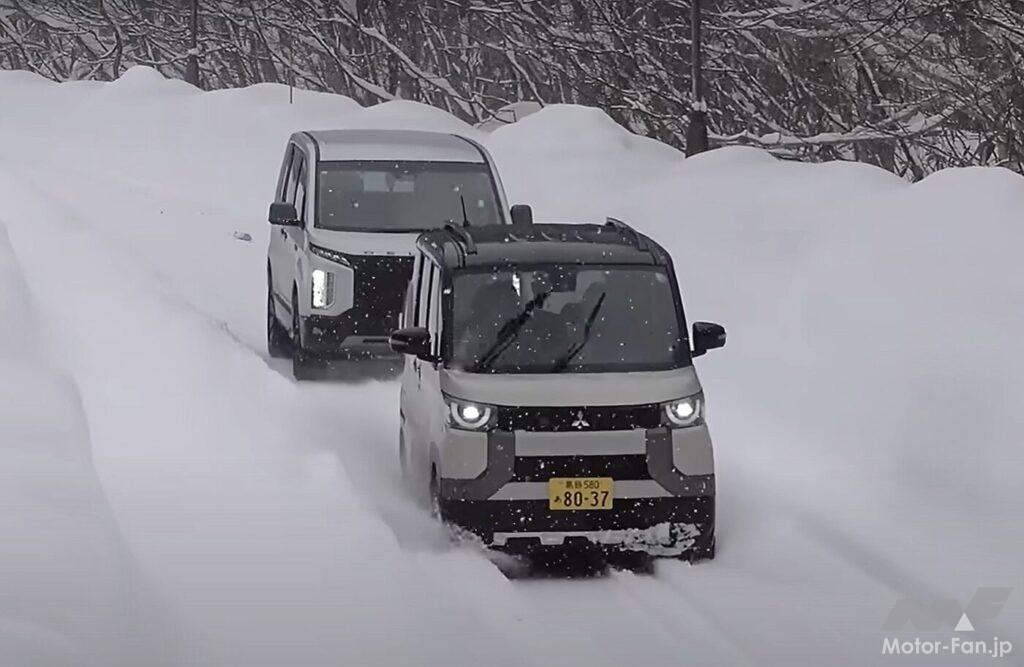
394,145
542,243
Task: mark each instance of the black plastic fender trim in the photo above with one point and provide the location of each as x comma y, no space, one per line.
663,470
501,461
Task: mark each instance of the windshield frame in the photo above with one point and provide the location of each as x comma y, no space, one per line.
482,167
684,358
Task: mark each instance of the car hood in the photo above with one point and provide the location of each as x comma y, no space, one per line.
365,243
569,389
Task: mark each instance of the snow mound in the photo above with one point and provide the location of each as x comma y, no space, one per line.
570,129
407,115
278,96
141,80
72,593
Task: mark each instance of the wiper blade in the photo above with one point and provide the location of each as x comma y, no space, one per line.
562,363
508,333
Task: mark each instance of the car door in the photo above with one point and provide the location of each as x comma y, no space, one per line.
430,397
414,409
296,235
278,249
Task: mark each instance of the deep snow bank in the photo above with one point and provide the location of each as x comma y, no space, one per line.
72,593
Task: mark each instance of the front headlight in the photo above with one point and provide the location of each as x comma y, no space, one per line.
323,288
469,416
330,255
684,412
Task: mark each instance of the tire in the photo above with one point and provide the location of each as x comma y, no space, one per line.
303,364
401,454
703,548
278,344
435,496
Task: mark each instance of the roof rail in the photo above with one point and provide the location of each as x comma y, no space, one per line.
626,230
462,237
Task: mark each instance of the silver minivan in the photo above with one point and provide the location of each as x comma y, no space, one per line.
549,398
348,207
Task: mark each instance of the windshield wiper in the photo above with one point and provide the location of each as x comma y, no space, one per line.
508,333
563,362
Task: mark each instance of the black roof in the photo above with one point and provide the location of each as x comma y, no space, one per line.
544,243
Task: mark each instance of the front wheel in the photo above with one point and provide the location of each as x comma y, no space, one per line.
401,453
303,364
278,345
435,496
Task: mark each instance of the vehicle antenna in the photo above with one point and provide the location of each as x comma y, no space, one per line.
465,218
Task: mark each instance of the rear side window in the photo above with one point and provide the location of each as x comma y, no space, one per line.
300,189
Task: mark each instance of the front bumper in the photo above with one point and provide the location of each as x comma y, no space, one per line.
664,488
660,526
353,333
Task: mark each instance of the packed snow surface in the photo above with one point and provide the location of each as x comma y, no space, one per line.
167,491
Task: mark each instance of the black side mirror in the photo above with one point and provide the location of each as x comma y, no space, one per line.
522,214
283,213
412,340
707,336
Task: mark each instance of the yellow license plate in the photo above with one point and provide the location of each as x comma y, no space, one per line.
580,493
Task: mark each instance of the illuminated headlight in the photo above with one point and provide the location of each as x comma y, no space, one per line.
323,288
684,412
469,416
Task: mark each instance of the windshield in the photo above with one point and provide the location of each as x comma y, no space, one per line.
565,319
403,196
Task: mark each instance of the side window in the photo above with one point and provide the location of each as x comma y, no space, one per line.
419,290
300,189
426,295
286,170
434,323
409,309
293,173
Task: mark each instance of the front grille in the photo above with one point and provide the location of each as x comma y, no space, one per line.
592,418
379,292
616,466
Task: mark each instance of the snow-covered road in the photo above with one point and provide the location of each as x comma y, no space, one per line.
865,413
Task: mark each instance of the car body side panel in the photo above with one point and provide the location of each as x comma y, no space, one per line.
434,414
